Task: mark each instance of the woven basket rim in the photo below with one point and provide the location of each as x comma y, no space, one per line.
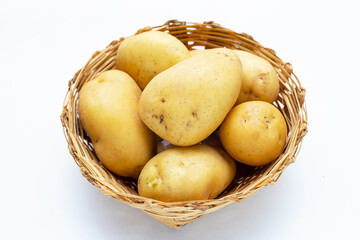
291,101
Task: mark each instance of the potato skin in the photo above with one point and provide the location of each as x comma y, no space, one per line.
145,55
196,52
108,111
187,102
254,133
259,80
186,173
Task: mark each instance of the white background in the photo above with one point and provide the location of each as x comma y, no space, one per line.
43,194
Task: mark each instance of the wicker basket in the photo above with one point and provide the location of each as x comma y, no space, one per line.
248,179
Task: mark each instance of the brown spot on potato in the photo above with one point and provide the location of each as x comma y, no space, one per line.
194,114
188,124
163,100
154,116
161,118
266,119
264,76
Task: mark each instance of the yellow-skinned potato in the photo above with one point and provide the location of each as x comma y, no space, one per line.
186,173
108,111
187,102
145,55
196,52
254,133
259,80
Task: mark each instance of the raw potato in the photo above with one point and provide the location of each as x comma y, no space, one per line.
186,173
254,133
145,55
108,111
260,81
196,52
187,102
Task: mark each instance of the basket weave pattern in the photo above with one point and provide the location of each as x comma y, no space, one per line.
290,102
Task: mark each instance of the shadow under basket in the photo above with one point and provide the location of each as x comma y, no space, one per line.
247,181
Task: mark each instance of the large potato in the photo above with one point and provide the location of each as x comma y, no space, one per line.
187,102
259,81
254,133
145,55
108,111
186,173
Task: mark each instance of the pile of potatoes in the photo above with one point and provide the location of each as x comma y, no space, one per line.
163,90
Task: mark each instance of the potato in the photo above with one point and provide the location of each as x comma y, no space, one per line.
145,55
108,111
196,52
186,173
254,133
259,81
187,102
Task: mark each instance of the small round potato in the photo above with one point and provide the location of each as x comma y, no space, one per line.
198,172
259,79
145,55
254,133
